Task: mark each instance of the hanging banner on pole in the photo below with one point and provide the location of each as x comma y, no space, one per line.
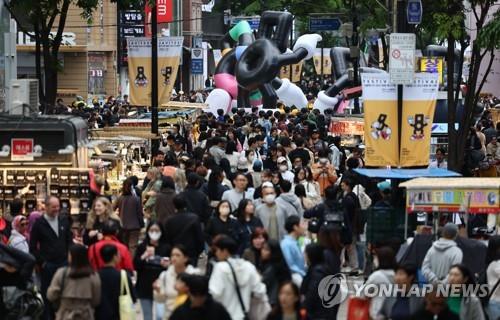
296,72
381,120
139,70
419,103
327,61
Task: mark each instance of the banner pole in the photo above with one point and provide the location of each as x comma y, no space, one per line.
155,143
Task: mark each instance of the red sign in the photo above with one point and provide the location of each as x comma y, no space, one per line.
21,150
164,13
347,127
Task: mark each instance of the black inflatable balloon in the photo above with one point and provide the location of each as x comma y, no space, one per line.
258,64
276,26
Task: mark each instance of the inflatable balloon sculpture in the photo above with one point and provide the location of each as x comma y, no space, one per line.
331,97
249,72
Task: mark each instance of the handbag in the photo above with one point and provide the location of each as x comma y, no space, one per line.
358,309
237,286
126,305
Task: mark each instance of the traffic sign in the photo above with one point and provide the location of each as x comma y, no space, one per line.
402,58
324,24
414,11
252,21
196,61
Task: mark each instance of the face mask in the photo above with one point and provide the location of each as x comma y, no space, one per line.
182,166
155,236
224,211
269,199
283,168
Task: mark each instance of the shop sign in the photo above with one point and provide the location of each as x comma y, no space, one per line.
21,150
432,65
347,127
473,201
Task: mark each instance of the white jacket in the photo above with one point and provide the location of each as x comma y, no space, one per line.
223,290
18,241
167,281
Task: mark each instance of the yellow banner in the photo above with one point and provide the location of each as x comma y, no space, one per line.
139,70
327,61
381,120
432,65
419,103
296,72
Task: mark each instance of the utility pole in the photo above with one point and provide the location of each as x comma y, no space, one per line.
155,143
400,27
355,53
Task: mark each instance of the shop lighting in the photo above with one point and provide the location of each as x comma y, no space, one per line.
68,150
5,151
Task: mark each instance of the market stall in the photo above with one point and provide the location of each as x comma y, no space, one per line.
453,195
351,129
44,155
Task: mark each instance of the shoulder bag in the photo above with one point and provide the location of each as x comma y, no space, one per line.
126,305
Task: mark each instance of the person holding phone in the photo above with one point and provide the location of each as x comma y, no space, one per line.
150,262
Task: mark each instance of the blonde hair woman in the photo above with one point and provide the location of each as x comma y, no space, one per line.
101,211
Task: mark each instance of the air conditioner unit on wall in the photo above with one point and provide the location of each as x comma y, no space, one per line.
23,97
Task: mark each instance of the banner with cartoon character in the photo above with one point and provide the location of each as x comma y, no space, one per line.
419,103
327,61
139,68
381,120
296,72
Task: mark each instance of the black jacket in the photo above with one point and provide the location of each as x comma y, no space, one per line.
211,310
309,289
148,271
23,262
197,202
245,230
46,246
185,228
110,291
216,226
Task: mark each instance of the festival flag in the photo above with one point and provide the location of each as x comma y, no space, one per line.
419,103
327,61
381,120
139,69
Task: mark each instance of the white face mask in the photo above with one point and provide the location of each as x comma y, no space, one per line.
283,168
269,199
224,211
155,236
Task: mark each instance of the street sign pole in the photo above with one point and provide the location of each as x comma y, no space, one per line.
400,28
155,143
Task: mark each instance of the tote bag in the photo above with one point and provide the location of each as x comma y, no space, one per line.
127,311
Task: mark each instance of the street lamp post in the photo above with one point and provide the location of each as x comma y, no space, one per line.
155,143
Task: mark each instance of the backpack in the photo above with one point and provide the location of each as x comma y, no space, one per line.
364,200
333,214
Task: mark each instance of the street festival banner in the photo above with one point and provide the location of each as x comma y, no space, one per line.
296,72
419,103
327,61
139,68
381,120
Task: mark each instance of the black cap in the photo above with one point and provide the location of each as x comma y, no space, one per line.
179,141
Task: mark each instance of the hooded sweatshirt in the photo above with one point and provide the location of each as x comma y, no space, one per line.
223,289
293,200
441,256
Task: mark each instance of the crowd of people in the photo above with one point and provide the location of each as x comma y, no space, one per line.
239,217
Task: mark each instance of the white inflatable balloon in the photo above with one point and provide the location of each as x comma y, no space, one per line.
218,99
291,95
308,42
324,102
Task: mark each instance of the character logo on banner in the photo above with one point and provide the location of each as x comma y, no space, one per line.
380,129
140,78
418,123
166,73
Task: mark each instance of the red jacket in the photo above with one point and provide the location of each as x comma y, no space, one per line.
95,254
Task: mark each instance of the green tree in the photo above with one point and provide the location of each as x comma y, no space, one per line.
45,20
447,19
